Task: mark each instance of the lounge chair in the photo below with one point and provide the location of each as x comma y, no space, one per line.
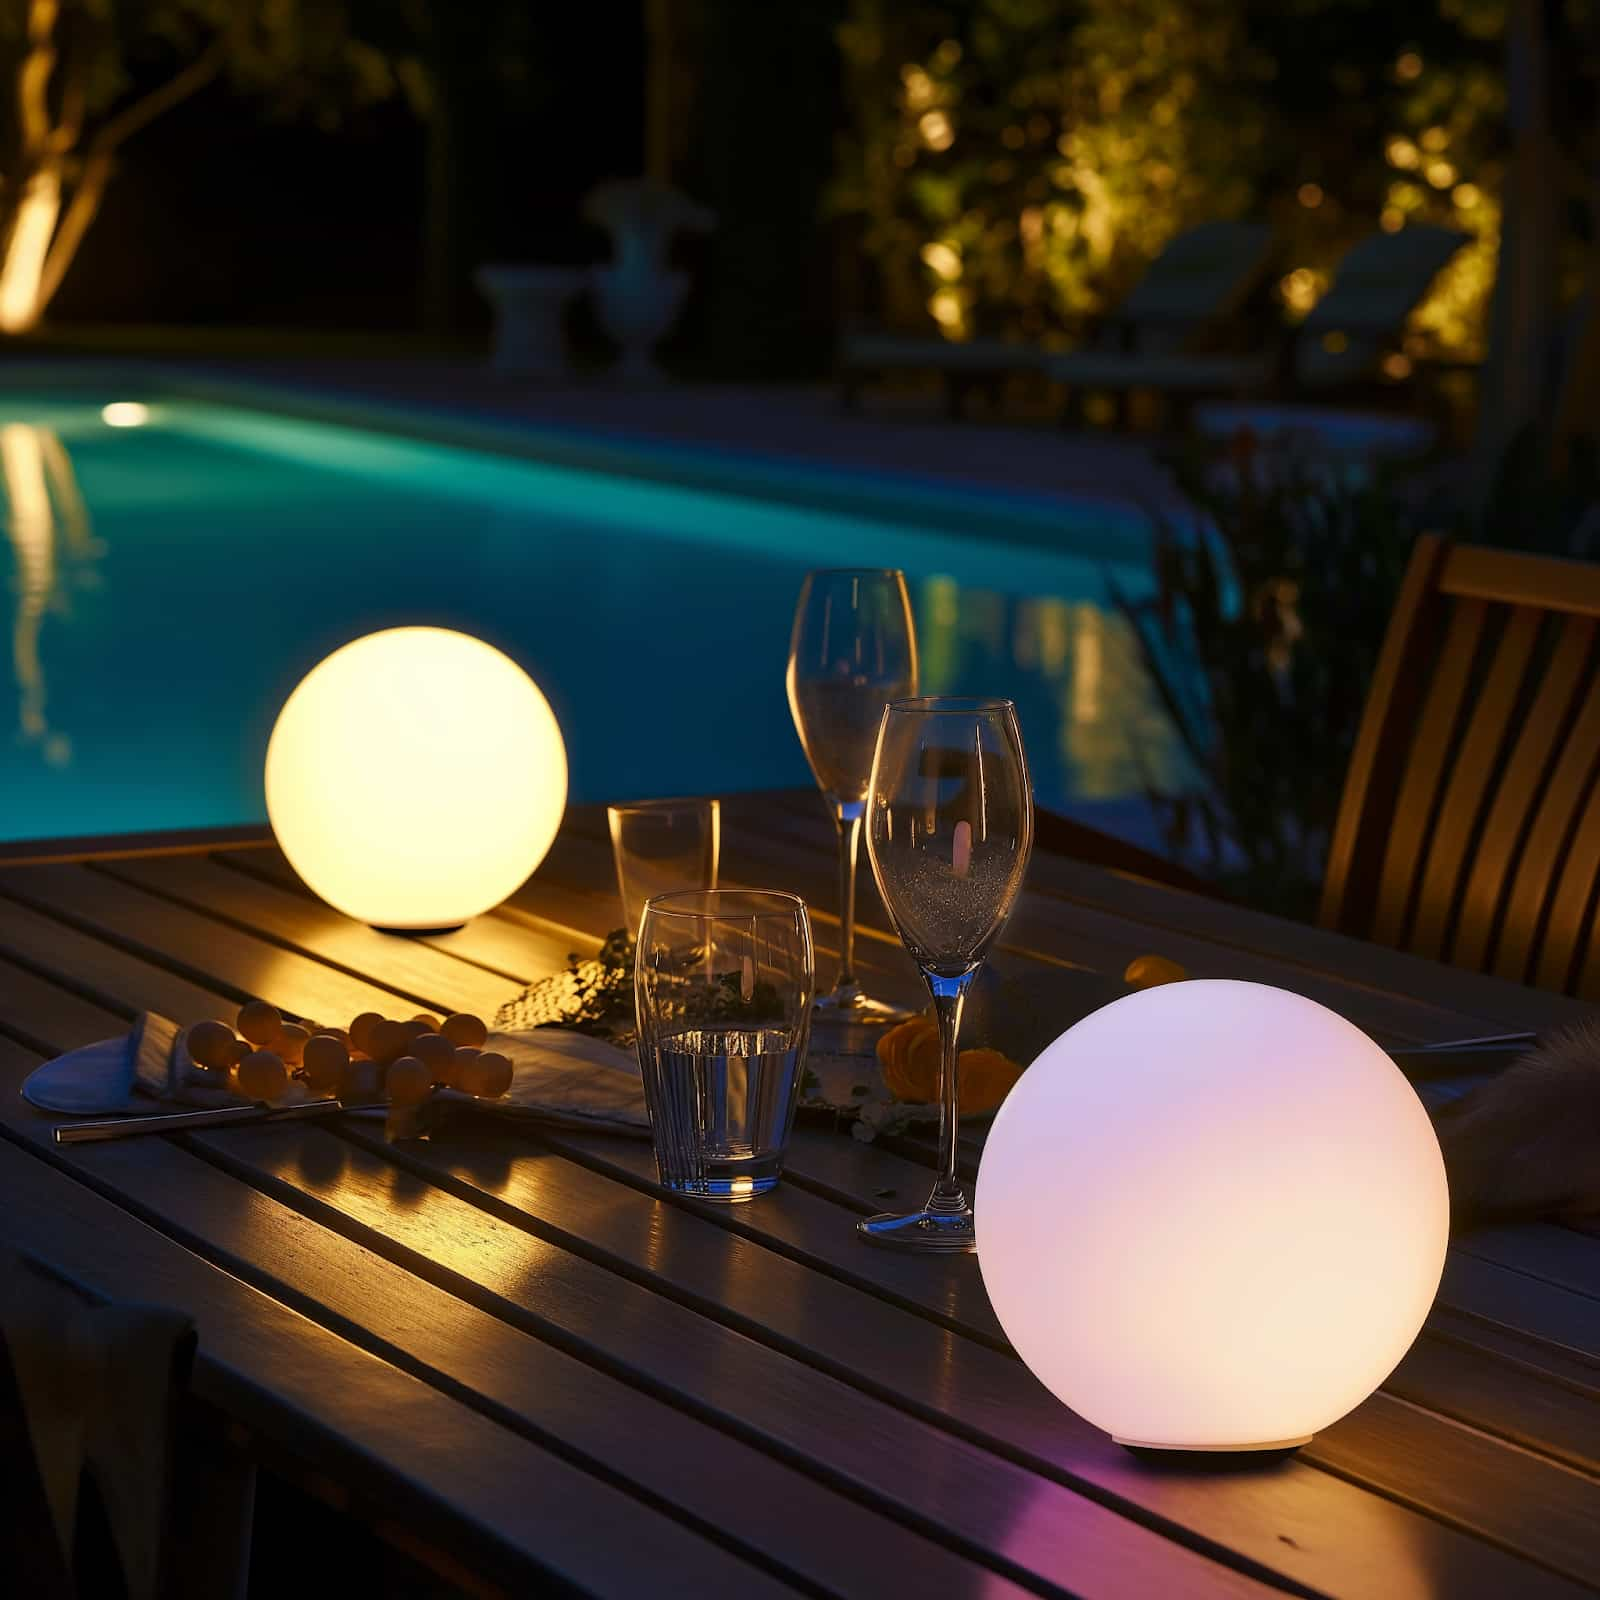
1362,316
1199,279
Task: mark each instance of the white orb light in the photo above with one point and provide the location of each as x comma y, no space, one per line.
415,777
1212,1216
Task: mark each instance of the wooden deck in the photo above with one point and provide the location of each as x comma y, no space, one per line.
512,1356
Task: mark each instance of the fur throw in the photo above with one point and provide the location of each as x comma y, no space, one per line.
1526,1143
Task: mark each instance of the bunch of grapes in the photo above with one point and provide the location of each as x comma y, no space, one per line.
375,1058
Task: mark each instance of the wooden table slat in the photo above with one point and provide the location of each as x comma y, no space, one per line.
203,949
519,1380
978,1389
1561,1505
483,1344
540,1287
341,1408
427,977
1138,900
515,950
881,1456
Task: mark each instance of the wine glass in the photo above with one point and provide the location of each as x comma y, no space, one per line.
949,831
853,649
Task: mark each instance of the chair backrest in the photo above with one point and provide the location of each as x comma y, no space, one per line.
1469,829
1201,275
1377,285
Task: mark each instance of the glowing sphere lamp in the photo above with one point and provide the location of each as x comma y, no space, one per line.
415,777
1212,1216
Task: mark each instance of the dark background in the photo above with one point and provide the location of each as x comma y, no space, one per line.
225,214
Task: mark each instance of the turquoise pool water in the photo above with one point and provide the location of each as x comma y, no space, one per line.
171,582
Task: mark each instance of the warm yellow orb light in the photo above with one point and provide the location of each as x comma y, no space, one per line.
1212,1216
415,778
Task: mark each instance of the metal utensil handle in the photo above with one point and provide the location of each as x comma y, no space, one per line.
1484,1041
177,1121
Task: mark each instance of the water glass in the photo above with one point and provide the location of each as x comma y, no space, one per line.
724,985
661,846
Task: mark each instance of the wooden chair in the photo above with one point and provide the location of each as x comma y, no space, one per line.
1469,830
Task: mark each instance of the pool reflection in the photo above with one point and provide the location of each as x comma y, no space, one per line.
53,551
1085,702
278,540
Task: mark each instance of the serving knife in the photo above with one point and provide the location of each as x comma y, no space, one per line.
179,1121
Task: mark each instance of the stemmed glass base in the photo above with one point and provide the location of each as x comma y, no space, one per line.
928,1232
851,1005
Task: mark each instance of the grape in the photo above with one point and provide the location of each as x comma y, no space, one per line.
259,1022
361,1030
263,1076
212,1044
291,1042
465,1029
324,1061
435,1052
408,1081
487,1075
387,1041
459,1062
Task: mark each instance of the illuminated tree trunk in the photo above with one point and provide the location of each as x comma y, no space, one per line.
28,231
52,191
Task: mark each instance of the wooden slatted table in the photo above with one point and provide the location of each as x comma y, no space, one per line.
515,1357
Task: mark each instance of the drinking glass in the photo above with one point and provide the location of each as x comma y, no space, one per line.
949,831
853,649
663,845
723,984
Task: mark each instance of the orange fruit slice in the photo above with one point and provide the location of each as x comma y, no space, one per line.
909,1076
987,1077
909,1057
1149,972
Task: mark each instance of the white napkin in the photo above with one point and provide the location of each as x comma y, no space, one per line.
558,1076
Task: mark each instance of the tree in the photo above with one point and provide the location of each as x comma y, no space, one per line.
88,75
1018,162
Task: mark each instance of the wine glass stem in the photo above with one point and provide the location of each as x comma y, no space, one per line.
847,815
949,995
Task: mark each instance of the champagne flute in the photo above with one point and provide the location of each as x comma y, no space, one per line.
853,649
949,831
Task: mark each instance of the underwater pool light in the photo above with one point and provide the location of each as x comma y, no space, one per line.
125,414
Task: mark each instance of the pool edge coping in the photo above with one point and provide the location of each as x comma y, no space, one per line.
1037,519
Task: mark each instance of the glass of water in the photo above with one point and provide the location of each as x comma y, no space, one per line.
724,982
663,845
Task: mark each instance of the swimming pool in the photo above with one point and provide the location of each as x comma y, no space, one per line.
172,580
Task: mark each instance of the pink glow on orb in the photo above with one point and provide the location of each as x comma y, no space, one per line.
1212,1216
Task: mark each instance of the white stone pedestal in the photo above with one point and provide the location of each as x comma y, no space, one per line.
529,304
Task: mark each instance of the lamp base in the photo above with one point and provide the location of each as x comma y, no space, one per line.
1211,1449
418,933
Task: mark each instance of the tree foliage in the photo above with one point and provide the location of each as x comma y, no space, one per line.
1015,163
